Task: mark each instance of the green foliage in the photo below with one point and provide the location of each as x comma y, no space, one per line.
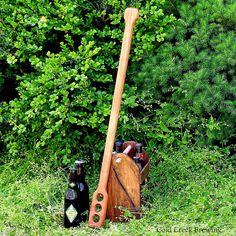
192,185
64,56
188,84
28,191
186,188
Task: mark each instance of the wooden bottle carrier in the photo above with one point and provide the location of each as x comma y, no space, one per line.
124,183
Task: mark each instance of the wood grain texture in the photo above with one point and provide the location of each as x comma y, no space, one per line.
96,219
123,188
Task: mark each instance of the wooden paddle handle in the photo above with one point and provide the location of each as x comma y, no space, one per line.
98,207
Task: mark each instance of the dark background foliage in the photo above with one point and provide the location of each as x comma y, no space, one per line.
187,86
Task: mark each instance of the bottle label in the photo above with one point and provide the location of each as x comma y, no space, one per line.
71,213
71,194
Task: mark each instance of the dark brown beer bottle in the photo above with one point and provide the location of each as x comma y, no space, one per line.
138,158
82,189
72,216
119,146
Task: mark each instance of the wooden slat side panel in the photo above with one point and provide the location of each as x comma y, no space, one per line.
123,188
144,172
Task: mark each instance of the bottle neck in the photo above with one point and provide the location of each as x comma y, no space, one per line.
139,149
81,175
119,149
119,146
72,175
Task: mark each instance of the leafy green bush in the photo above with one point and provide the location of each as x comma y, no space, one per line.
187,88
1,82
1,52
64,56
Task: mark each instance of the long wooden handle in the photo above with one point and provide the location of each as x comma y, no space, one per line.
98,208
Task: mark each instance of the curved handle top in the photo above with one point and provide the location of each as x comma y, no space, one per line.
131,15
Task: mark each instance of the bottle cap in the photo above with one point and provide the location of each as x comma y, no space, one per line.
79,162
119,142
138,145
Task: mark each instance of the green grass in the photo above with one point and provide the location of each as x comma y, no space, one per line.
189,192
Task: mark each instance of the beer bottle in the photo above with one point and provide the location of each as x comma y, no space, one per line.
138,158
138,162
119,146
72,216
83,190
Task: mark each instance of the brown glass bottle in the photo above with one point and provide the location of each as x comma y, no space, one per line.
72,215
119,146
82,190
138,158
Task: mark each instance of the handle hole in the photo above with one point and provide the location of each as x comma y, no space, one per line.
98,207
99,197
96,218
